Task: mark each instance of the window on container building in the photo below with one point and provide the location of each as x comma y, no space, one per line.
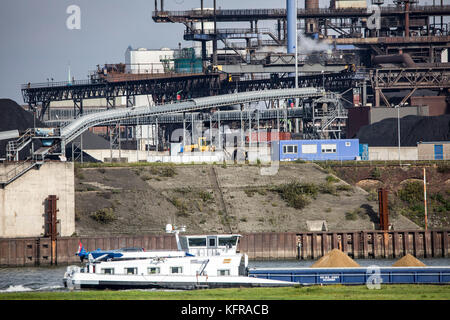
290,148
329,148
309,148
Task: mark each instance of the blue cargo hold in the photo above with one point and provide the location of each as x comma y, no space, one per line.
354,276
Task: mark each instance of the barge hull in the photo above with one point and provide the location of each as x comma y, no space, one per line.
357,276
93,281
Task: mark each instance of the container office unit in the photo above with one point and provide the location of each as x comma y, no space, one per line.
435,150
338,149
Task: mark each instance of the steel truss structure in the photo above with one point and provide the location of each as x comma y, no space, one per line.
164,89
412,79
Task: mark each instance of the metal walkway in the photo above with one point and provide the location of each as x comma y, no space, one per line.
77,127
223,115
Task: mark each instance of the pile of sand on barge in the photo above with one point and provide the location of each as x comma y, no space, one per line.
335,259
409,261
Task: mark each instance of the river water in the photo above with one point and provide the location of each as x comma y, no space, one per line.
50,278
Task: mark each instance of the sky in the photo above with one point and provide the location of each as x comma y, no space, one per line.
37,45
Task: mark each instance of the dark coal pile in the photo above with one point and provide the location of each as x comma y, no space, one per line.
14,117
90,141
86,157
413,129
94,141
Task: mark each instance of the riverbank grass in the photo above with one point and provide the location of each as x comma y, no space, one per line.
330,292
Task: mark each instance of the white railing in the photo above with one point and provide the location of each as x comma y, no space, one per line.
16,172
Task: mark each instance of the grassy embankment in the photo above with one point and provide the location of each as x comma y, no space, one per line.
334,292
408,197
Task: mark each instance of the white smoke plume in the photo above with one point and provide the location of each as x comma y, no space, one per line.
307,45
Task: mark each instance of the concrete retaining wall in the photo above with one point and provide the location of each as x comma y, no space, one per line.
206,157
22,202
125,155
261,153
391,153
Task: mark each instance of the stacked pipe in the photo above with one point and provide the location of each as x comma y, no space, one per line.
291,25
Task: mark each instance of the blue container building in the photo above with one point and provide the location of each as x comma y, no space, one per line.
335,149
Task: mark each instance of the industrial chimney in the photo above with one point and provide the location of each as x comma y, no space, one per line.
311,24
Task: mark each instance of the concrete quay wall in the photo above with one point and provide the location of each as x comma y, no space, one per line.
23,202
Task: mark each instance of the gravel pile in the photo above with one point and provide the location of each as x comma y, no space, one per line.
409,261
335,259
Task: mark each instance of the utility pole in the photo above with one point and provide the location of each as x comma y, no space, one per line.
398,134
214,60
425,197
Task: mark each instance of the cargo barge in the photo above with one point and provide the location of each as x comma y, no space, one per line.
356,276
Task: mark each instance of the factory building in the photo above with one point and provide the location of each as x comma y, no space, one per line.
435,150
368,73
148,61
343,4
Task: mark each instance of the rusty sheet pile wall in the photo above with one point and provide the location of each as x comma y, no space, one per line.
258,246
375,244
269,246
37,251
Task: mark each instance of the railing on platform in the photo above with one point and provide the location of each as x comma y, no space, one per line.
50,84
110,78
18,170
301,12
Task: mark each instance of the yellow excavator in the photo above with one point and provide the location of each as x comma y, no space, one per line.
202,145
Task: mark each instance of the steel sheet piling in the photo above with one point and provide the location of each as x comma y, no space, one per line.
258,246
